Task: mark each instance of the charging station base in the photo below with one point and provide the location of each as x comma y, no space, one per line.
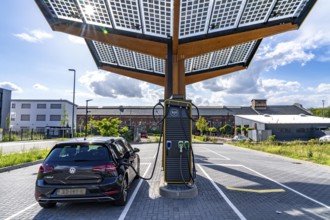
177,191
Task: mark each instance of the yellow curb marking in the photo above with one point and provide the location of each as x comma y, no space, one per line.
255,190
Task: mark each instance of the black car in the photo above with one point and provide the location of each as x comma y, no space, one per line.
96,169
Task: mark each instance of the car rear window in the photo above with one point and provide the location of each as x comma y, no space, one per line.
85,152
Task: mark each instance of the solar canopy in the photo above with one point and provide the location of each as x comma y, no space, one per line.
164,41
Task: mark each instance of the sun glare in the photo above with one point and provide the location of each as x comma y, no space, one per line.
89,9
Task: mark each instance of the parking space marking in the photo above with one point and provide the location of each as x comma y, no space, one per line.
20,212
128,205
234,208
289,188
255,190
270,179
226,158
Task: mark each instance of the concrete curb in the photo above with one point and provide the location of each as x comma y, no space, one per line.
6,169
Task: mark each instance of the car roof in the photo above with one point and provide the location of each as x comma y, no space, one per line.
94,140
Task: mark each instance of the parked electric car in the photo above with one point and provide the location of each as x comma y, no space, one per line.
78,170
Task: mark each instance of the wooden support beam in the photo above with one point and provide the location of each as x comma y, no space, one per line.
208,75
158,80
178,69
189,50
152,48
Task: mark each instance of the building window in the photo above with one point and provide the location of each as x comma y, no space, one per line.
41,117
26,105
13,105
41,106
25,117
12,116
55,106
55,118
40,129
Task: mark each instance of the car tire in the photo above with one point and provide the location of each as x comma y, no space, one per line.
123,197
47,205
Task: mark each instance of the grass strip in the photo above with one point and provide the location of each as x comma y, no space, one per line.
312,151
11,159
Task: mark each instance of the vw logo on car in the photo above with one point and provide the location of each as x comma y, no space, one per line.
72,170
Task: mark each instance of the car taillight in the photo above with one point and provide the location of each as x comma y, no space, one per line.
106,167
112,192
46,169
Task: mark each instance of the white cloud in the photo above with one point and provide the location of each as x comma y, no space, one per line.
279,86
11,86
34,36
110,85
76,40
322,88
38,86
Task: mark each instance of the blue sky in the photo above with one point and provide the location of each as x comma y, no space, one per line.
293,67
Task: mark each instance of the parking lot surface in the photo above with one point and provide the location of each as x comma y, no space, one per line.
233,183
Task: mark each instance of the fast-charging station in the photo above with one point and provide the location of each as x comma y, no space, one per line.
177,157
174,43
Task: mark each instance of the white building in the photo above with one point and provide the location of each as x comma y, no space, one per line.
284,127
41,114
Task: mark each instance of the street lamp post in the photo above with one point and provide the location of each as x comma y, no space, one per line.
74,94
323,108
88,100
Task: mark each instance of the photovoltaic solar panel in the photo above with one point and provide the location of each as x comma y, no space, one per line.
221,57
287,8
226,14
256,11
105,53
95,12
194,17
153,19
108,54
143,62
157,17
202,62
188,65
65,9
241,52
125,15
159,65
124,57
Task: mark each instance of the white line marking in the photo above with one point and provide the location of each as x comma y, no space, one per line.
238,213
20,212
295,191
128,205
270,179
219,164
226,158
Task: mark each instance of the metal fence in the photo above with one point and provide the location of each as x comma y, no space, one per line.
22,135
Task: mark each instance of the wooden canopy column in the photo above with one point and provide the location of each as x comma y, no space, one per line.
175,82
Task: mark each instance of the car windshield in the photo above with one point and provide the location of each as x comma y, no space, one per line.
78,152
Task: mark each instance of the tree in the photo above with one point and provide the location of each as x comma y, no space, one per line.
8,121
212,130
108,126
226,129
238,130
201,124
64,118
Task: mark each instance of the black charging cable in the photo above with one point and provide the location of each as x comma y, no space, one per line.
159,143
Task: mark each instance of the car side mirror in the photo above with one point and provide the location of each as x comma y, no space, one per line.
135,150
